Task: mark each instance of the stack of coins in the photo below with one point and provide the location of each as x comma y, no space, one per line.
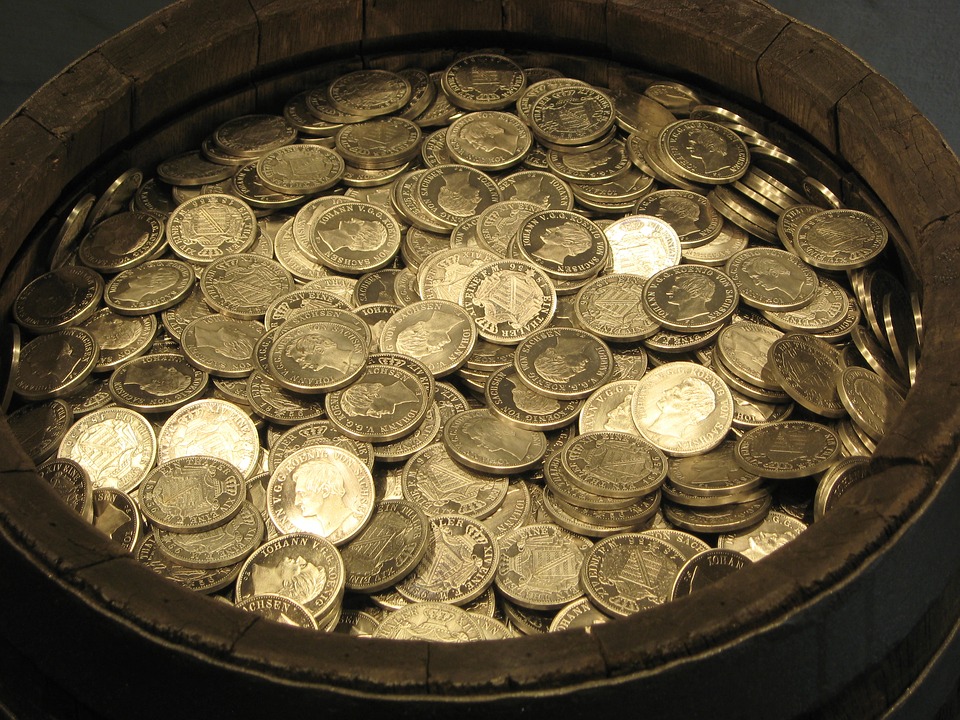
472,353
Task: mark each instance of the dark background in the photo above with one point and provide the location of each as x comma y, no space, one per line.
914,43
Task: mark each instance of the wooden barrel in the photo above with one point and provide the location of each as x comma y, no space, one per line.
857,617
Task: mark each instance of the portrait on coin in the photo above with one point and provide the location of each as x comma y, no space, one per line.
681,407
148,285
776,276
159,378
496,437
223,341
321,497
709,148
458,196
292,577
52,295
562,361
563,241
487,136
352,235
681,213
689,294
377,399
320,353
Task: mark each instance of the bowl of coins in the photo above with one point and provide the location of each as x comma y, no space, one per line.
484,358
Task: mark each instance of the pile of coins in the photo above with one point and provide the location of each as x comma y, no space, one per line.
468,354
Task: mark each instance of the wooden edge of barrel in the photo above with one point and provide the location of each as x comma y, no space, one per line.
46,152
295,31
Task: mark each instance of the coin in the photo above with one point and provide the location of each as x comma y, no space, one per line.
150,287
772,279
488,140
573,115
743,349
369,92
682,408
210,226
509,300
211,427
653,563
119,337
191,494
354,237
300,169
789,449
776,530
191,169
117,516
563,243
481,441
385,403
316,432
379,144
430,621
689,213
387,549
248,187
836,480
806,368
253,135
221,346
872,405
116,446
201,580
270,400
449,194
840,239
317,357
157,383
829,312
538,187
726,518
516,404
55,364
439,333
71,483
690,298
459,564
704,152
244,286
705,569
438,485
483,81
121,241
279,609
563,363
61,298
324,490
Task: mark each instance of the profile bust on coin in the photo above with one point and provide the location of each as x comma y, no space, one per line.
293,577
321,496
374,399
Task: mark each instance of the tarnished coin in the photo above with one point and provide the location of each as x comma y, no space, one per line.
150,287
244,286
385,403
516,404
116,446
210,226
121,241
387,549
594,166
378,144
840,239
253,135
324,490
743,349
201,580
459,564
72,484
630,572
539,566
572,115
438,485
683,408
836,480
705,569
60,298
211,427
369,92
872,404
481,441
789,449
772,279
704,152
713,473
430,621
222,346
40,427
488,140
279,609
807,368
449,194
483,81
192,494
563,363
191,169
690,298
563,243
509,300
317,357
439,333
301,566
354,237
248,187
117,515
642,245
157,383
55,364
